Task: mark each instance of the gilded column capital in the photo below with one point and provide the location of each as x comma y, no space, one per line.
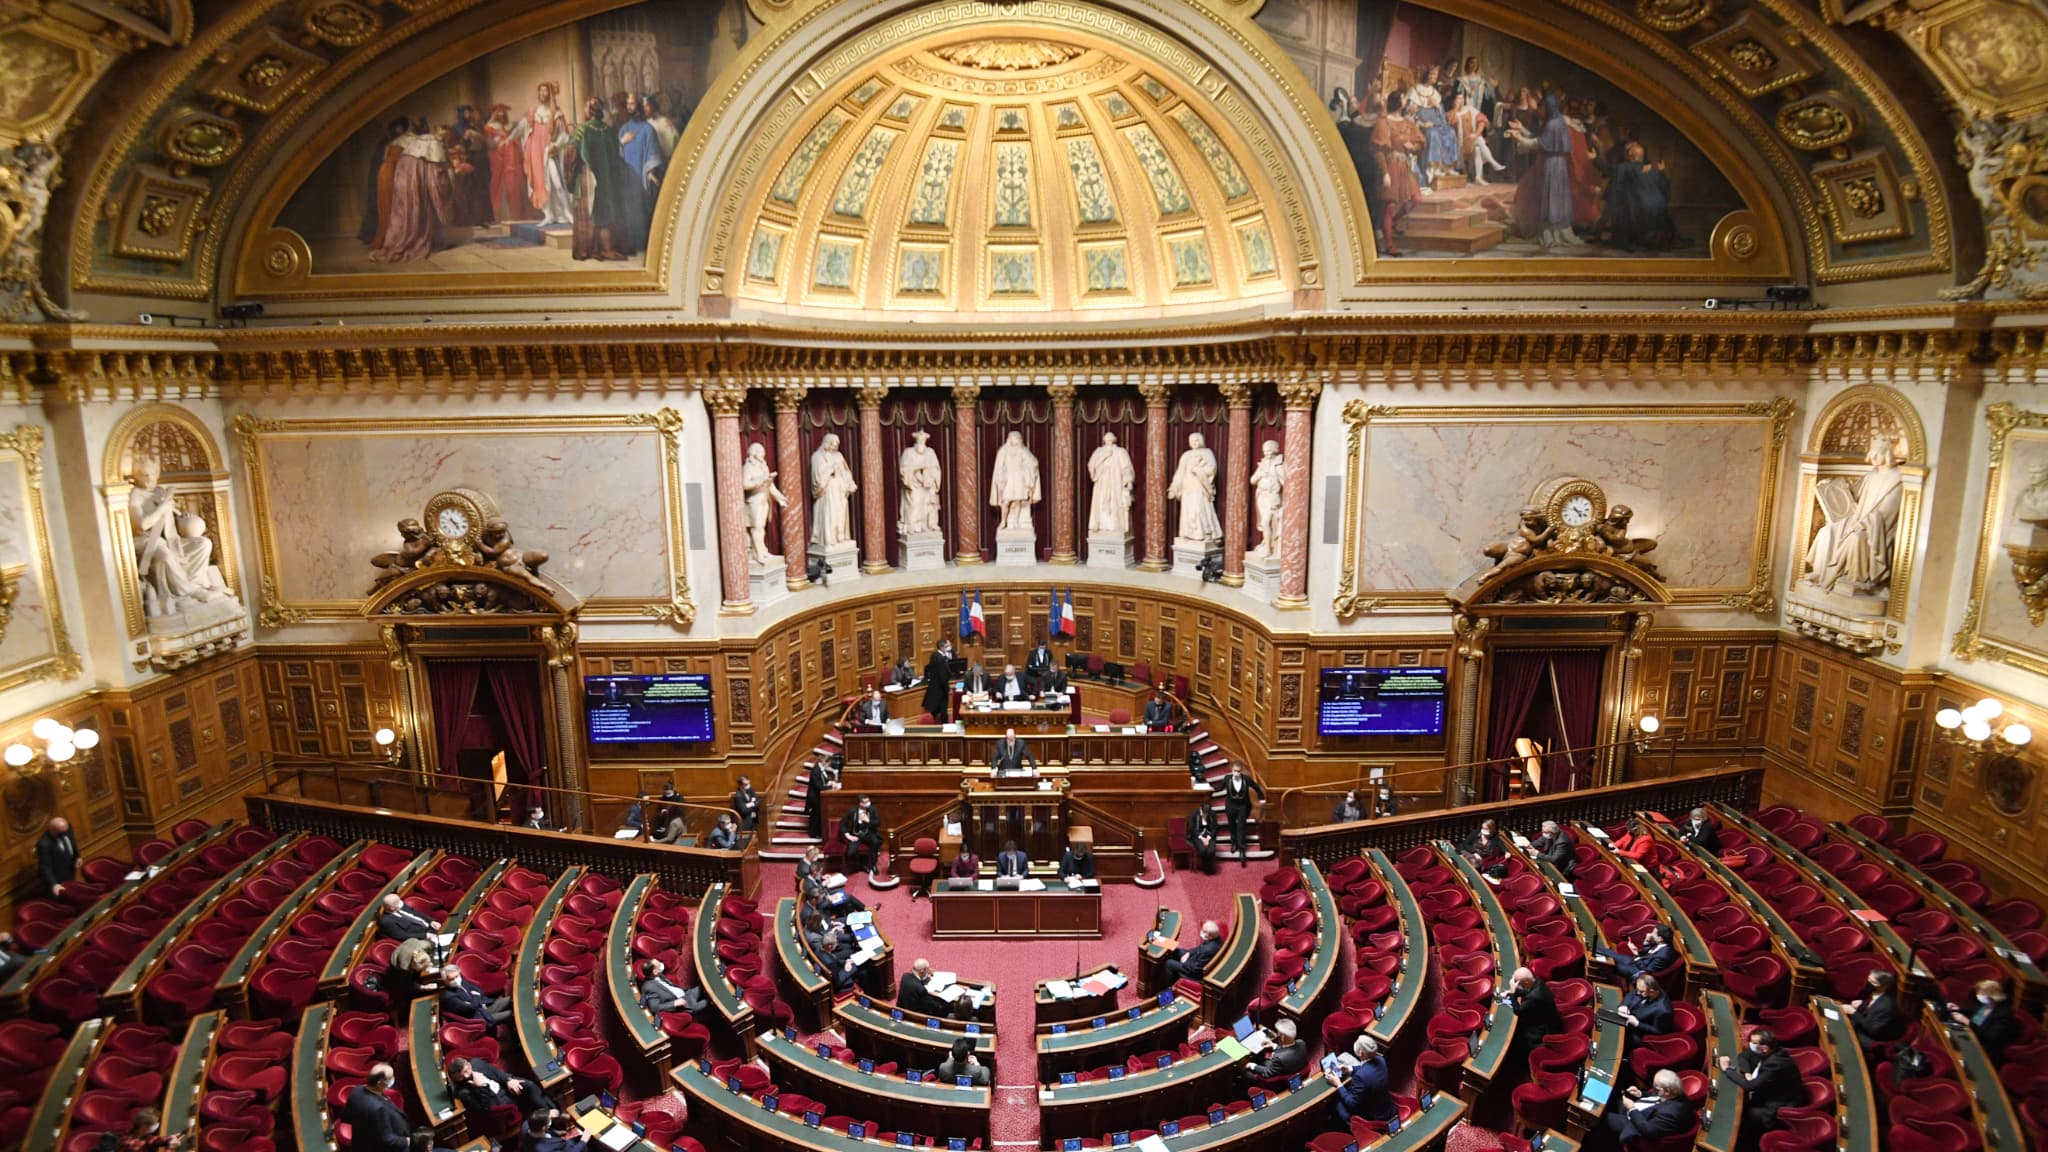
1301,393
725,399
871,395
966,393
1236,393
790,397
1061,393
1155,392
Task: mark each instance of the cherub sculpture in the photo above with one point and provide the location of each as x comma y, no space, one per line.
414,546
496,547
1616,542
1533,536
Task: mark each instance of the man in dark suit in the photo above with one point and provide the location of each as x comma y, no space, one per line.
1700,832
819,783
975,681
961,1061
550,1131
1159,710
1769,1079
482,1086
635,818
904,674
1287,1057
1536,1015
1012,686
914,994
56,856
1077,861
725,835
863,834
1876,1017
747,803
1012,861
1238,789
659,994
12,956
1010,755
1990,1018
1051,682
1646,1009
1555,846
1202,838
1654,954
1038,662
1664,1112
873,711
837,957
1363,1090
461,998
938,682
401,923
673,828
375,1123
1190,963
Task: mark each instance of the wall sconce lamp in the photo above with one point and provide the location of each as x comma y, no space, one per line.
1647,727
387,743
1970,729
60,745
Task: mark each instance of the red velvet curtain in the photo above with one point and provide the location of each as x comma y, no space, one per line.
1551,695
451,687
927,410
1519,677
1575,673
516,693
1030,413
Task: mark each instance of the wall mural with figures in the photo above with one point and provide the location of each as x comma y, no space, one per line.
1471,142
540,156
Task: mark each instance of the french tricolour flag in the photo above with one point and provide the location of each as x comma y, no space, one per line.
975,620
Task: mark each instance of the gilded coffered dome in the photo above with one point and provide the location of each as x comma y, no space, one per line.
1026,174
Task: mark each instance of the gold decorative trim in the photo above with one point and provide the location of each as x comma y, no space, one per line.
277,610
1754,597
1970,642
61,662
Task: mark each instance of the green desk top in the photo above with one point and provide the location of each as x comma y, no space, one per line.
1120,1028
479,890
589,1104
1994,1109
1724,1038
309,1080
430,1079
1315,979
789,948
641,1024
1492,1050
1313,1097
188,1074
1855,1104
1699,959
711,970
1239,949
774,1128
864,1014
251,952
542,1054
46,1126
1216,1062
1588,925
1609,1038
128,983
777,1048
1993,936
365,924
1803,958
1167,924
1887,939
1407,992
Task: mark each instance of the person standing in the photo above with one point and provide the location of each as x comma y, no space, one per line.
1238,790
597,201
747,803
938,682
56,856
375,1123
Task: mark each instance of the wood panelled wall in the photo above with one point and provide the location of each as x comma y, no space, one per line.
1995,813
328,702
1711,690
1852,730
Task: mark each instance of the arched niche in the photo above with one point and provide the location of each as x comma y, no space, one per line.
193,475
1847,587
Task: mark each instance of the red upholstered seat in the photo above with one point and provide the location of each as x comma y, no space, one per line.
249,1072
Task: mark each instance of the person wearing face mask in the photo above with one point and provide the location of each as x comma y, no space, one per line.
1664,1112
1652,955
1876,1017
1769,1080
1991,1018
1700,832
863,835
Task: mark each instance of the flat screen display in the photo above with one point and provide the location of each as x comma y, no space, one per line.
651,709
1380,702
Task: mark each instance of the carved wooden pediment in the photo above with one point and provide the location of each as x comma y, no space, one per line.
470,590
1561,583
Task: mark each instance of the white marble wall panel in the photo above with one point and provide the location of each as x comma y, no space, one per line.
1436,493
594,501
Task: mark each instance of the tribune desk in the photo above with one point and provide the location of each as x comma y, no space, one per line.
1058,912
1037,719
1031,811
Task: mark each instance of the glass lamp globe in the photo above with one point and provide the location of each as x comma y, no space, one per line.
19,754
1949,718
86,739
2018,735
1649,725
44,728
385,737
60,752
1975,729
1989,708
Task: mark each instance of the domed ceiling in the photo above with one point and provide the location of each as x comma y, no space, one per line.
998,174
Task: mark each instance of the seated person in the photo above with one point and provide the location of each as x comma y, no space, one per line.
1484,846
672,832
460,998
1536,1014
635,819
1991,1018
1664,1112
1287,1057
863,833
1769,1079
423,1141
1202,838
725,835
1350,809
1159,710
400,922
659,994
963,1062
914,995
1190,963
1077,863
873,711
12,956
1701,832
1877,1018
550,1131
811,870
1363,1091
1012,861
1010,756
904,674
1051,682
1646,1009
537,819
1012,686
1638,843
837,958
1654,954
975,681
966,866
482,1086
1555,845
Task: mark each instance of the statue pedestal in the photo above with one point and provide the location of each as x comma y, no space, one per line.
1188,556
1016,548
1856,623
199,631
1112,550
767,583
1262,576
842,559
922,551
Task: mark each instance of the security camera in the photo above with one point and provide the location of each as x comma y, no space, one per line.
145,319
1712,303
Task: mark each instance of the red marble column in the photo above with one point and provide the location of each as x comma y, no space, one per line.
874,513
796,484
967,475
1155,394
1294,477
734,547
1237,395
1062,473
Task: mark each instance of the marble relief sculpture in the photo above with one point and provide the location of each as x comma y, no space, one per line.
1267,483
832,490
757,484
919,471
1194,485
2026,543
1013,486
1855,545
173,557
1113,477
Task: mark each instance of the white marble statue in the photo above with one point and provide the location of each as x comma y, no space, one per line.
2031,506
1194,485
1013,486
173,557
832,490
920,474
1266,488
1109,505
1855,545
757,481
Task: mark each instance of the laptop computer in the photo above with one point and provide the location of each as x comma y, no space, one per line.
1008,883
1243,1028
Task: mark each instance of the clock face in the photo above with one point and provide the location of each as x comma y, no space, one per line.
451,523
1577,511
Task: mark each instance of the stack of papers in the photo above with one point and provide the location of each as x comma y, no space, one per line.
1105,981
834,881
1030,884
978,997
941,981
618,1137
860,919
1016,705
1059,989
1231,1048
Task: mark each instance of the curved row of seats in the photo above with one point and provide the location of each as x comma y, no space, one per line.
364,957
571,972
1847,952
1307,942
1468,962
1748,954
659,930
736,960
38,922
1384,918
1550,947
286,979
